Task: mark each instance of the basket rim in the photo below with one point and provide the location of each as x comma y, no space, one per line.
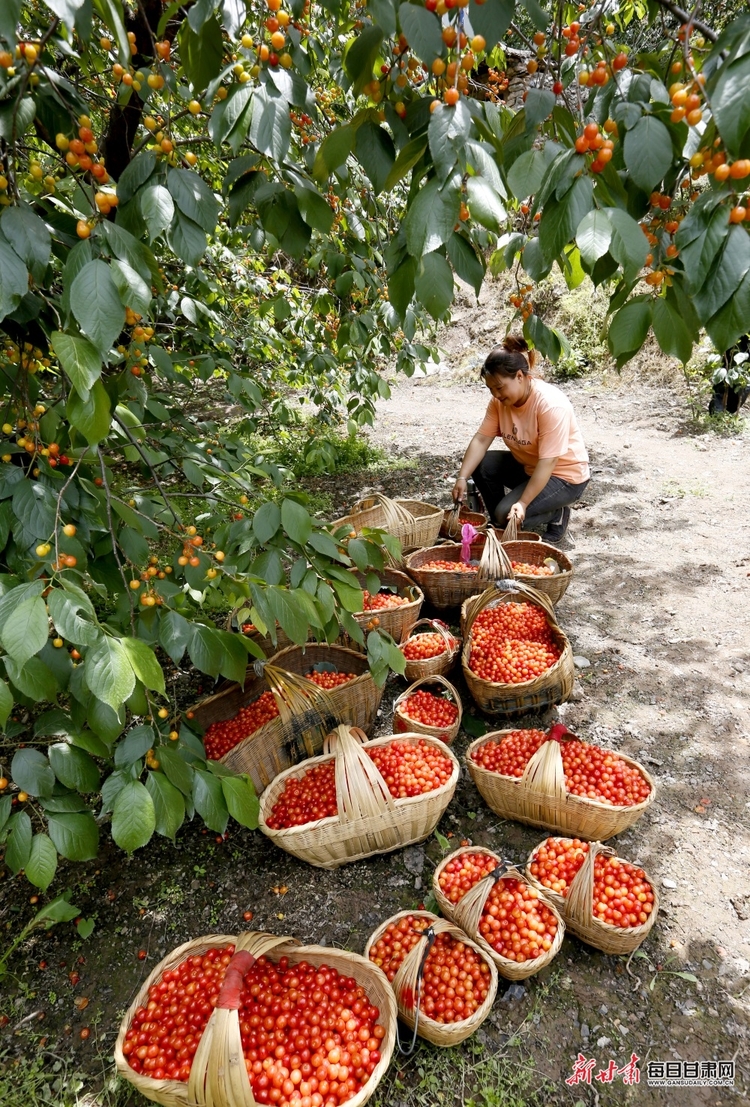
362,505
480,1014
444,548
292,949
311,762
564,571
585,801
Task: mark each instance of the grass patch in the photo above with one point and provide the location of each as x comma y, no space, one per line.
38,1080
310,450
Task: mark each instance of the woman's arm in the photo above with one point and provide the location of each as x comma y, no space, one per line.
475,451
537,481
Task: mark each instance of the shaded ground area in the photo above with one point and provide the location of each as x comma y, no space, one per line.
659,608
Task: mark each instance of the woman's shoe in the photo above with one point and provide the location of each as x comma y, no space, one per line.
556,531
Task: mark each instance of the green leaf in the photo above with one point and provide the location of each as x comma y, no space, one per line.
594,235
401,285
485,204
42,863
135,174
539,105
111,14
133,817
628,330
58,910
80,359
18,844
491,19
32,679
96,304
73,767
271,125
447,131
177,771
234,661
85,928
374,150
266,522
538,17
474,726
29,237
132,748
133,290
206,650
201,54
731,321
296,521
76,837
360,57
169,805
671,331
434,284
26,630
6,704
408,157
5,810
157,208
383,13
241,800
423,32
333,152
629,244
144,663
286,608
109,673
65,610
92,417
32,772
315,210
527,172
730,105
14,279
208,798
35,504
709,231
648,152
175,633
561,218
10,13
543,338
194,198
432,215
726,273
187,240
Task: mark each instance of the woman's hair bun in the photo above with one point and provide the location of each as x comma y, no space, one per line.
515,343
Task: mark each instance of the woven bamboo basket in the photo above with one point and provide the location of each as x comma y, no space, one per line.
442,662
407,981
445,588
287,740
511,700
540,798
218,1077
455,517
414,523
536,553
369,819
396,621
402,722
576,907
468,911
513,534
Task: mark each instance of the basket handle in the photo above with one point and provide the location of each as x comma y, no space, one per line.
448,638
407,983
437,678
581,894
494,562
396,514
468,911
544,770
361,791
453,525
510,534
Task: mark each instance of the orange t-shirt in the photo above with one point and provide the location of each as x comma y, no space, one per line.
545,426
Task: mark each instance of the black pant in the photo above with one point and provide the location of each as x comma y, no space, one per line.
499,470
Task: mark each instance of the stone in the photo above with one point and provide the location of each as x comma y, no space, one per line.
584,1030
669,883
413,858
581,662
515,991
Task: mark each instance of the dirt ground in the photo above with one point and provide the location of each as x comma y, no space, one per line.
659,619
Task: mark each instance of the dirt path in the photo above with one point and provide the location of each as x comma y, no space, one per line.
660,608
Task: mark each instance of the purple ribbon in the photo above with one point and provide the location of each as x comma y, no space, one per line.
468,534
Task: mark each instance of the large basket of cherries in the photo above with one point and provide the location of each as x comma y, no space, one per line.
496,905
360,798
416,949
607,902
222,1053
557,781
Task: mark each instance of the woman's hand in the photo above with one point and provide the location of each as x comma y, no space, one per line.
459,490
517,512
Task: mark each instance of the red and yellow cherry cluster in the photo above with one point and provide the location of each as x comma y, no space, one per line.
224,735
330,680
420,647
430,710
512,643
440,566
455,978
526,569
